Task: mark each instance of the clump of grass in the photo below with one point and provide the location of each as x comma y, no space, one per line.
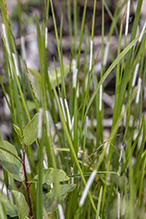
104,182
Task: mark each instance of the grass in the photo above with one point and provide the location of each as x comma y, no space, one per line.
103,182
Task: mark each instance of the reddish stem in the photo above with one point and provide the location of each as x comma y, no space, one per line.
27,185
24,184
25,149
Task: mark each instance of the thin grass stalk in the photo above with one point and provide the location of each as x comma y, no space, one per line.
141,187
117,79
131,188
70,24
47,17
113,19
20,17
85,62
41,47
71,92
100,111
99,203
140,150
75,26
61,24
81,35
59,52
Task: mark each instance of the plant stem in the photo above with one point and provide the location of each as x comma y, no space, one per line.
27,185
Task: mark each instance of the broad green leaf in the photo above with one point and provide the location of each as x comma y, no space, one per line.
8,146
36,87
21,204
10,209
8,156
49,197
89,135
35,73
31,105
2,211
17,130
48,176
31,130
55,75
19,133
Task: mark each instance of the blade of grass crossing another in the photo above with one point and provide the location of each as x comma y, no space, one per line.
112,66
128,60
113,133
72,148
